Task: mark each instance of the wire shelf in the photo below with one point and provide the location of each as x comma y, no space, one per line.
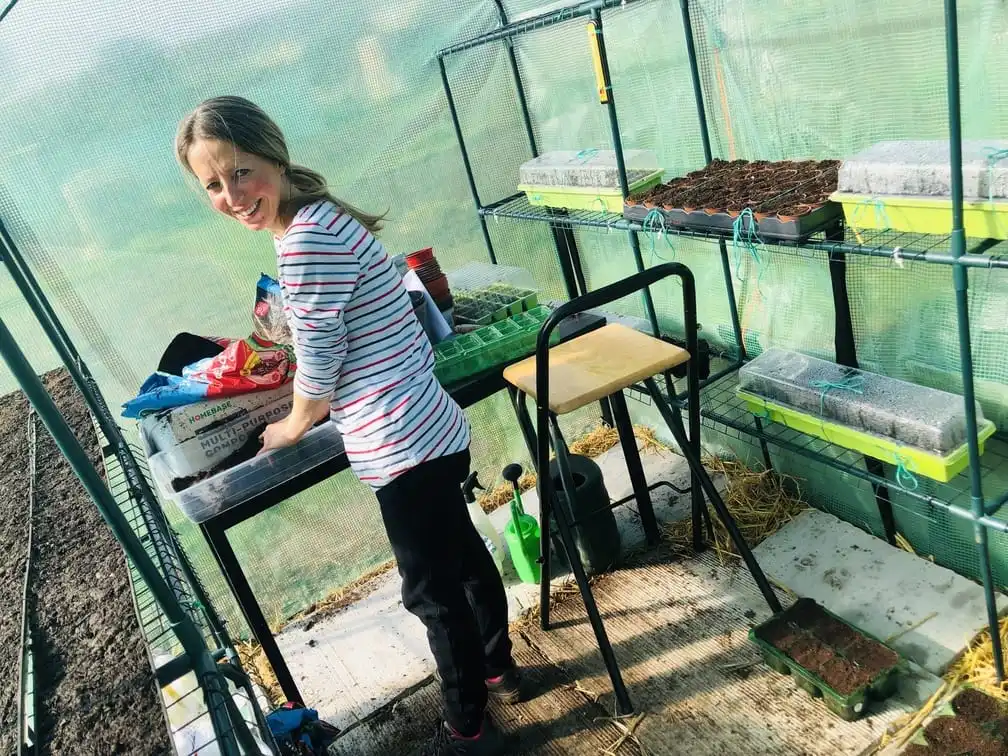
895,246
540,21
723,411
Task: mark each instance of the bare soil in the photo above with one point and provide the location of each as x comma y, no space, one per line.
95,691
787,188
979,729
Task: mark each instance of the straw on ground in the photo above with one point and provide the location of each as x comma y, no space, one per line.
761,501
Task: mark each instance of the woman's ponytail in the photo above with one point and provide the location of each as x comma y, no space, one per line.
310,185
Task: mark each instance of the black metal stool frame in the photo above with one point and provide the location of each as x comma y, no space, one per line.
545,419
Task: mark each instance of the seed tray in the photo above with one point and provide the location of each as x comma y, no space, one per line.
788,198
598,199
493,303
770,227
849,707
916,416
490,346
923,169
982,219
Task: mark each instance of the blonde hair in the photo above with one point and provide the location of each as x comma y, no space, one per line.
245,125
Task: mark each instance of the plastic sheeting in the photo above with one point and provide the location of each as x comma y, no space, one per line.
131,254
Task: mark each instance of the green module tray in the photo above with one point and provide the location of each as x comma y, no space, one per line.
493,304
490,346
938,467
850,706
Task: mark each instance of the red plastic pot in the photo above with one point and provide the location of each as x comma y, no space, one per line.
416,259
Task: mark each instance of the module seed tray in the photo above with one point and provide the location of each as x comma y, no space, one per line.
599,199
492,304
490,346
786,200
881,685
923,215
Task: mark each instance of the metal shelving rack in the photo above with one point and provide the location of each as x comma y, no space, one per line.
720,409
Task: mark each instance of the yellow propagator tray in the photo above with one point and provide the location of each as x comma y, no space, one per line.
916,461
923,215
603,200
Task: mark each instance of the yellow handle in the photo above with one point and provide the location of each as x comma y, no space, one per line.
593,43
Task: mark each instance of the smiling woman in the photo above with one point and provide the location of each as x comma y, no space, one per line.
364,360
241,158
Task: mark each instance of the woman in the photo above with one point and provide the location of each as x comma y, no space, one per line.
364,360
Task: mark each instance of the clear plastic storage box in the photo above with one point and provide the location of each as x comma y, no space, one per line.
218,493
922,168
587,168
912,415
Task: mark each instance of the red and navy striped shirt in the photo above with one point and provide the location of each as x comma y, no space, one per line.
359,344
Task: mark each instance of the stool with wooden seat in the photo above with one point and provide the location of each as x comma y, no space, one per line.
591,367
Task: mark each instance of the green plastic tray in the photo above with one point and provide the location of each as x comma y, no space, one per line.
848,707
492,345
501,300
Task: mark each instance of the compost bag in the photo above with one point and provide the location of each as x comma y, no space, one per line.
243,366
268,317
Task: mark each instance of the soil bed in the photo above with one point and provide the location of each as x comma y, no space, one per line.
978,729
13,549
843,658
787,188
95,691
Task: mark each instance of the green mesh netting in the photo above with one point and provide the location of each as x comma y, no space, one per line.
130,253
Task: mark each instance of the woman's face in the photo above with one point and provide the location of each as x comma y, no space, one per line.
245,187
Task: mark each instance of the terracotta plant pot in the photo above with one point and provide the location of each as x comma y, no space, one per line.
415,259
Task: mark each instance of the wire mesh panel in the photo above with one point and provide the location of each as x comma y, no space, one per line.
131,254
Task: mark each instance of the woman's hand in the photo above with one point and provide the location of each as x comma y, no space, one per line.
287,432
279,435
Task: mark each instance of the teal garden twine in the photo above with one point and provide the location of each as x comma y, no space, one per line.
994,156
654,223
881,215
745,239
854,383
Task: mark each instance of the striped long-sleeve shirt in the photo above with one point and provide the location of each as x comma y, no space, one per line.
359,344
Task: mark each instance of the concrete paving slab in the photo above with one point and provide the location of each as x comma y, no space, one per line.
881,589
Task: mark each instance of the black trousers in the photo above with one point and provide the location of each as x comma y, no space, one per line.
449,581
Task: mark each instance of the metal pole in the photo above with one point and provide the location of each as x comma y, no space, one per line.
960,276
563,235
465,158
183,626
620,164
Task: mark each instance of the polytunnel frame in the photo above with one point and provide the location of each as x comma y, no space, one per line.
980,512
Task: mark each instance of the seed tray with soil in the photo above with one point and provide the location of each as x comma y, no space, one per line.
828,657
974,723
95,691
787,200
492,304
